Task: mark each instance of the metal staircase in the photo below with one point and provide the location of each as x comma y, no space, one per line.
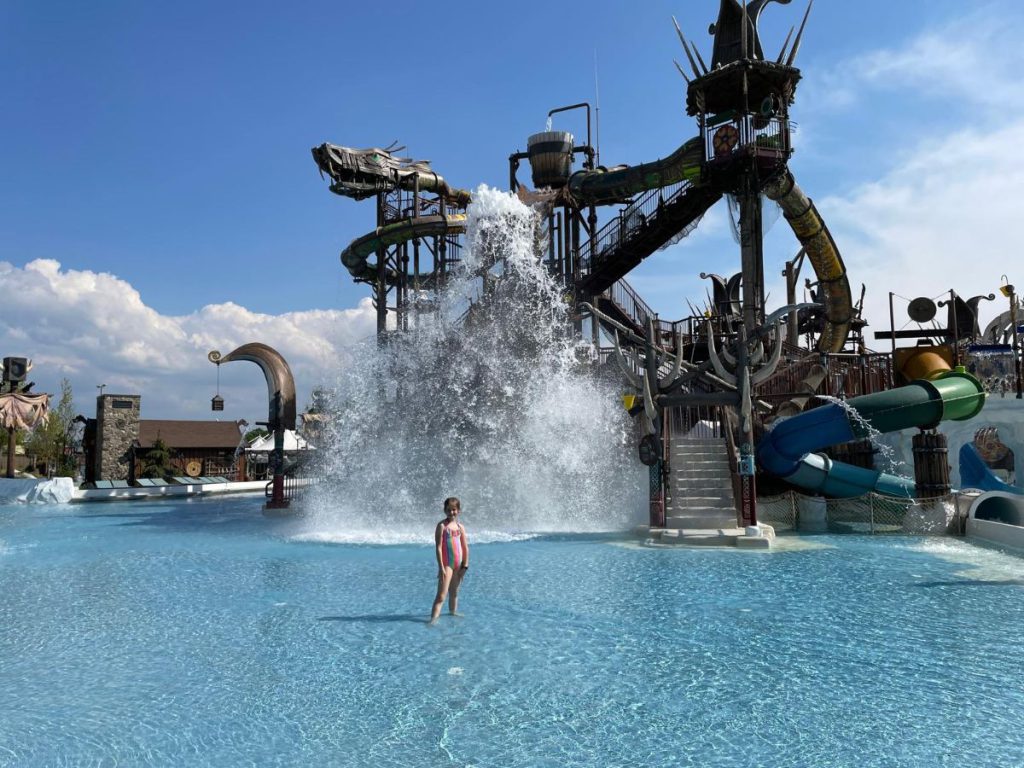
654,220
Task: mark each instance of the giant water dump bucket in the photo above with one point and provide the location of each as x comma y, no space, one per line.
550,158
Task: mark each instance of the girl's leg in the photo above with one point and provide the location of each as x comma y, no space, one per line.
453,592
443,580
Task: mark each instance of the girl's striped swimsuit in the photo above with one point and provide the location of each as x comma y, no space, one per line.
451,547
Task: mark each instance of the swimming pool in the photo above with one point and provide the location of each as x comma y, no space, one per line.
205,634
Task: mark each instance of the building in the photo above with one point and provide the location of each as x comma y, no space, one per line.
117,440
198,448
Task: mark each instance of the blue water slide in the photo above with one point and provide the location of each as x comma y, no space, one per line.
787,452
975,473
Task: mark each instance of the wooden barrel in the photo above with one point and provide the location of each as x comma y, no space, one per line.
859,453
550,158
931,464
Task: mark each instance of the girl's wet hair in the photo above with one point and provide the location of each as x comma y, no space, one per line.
452,502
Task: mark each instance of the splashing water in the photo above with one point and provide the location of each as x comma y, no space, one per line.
494,401
890,464
547,125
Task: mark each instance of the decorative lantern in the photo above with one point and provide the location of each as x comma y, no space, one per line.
217,403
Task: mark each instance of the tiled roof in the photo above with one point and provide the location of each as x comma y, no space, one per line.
189,434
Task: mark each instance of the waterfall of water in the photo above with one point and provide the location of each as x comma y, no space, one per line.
890,464
491,400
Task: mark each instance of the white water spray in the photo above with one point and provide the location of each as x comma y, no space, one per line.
890,463
494,401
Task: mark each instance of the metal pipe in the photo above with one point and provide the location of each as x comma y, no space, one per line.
1009,292
589,165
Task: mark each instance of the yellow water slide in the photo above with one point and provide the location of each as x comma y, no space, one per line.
810,230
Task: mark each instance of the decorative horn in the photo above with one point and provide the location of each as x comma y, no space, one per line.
715,361
677,367
634,380
773,362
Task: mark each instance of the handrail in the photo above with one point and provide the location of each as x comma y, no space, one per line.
630,220
727,417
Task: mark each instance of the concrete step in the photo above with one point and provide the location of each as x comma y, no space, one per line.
686,458
699,510
724,536
690,456
700,471
708,521
712,537
704,500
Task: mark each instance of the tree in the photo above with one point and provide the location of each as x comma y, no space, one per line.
53,443
157,461
252,434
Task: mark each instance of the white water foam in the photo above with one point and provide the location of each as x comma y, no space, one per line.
890,464
501,408
982,563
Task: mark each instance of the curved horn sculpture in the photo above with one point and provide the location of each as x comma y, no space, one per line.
277,373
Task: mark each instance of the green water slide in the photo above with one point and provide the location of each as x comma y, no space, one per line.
356,257
603,186
363,173
787,450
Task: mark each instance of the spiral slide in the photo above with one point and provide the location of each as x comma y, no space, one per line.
356,256
822,252
786,451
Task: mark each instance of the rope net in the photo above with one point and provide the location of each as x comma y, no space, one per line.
872,513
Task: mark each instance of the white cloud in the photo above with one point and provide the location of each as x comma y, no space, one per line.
94,328
970,62
943,218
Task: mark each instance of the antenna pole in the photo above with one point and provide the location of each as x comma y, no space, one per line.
597,112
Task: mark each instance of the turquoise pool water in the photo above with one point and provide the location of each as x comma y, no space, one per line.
204,634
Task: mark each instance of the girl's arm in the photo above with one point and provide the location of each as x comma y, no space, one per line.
437,546
465,547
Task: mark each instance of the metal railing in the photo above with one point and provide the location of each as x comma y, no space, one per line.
625,297
845,375
681,421
747,131
292,486
631,221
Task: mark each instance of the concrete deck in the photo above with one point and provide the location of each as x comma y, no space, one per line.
754,537
174,491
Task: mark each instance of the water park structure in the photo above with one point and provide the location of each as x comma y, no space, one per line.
734,397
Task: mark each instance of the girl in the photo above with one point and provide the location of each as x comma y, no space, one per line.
452,549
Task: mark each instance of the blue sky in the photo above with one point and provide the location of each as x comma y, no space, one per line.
159,152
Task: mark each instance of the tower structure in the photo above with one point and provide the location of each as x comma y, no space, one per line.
741,103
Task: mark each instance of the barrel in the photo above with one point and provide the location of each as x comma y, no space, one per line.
859,453
550,158
931,465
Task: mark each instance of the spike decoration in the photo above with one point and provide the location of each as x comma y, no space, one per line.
785,45
689,56
799,36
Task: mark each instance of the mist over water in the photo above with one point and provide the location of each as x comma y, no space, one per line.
493,401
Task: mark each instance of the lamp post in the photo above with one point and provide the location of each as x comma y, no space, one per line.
1008,291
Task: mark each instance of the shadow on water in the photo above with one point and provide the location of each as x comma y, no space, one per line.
378,618
973,583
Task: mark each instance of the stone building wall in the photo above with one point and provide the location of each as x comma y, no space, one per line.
117,428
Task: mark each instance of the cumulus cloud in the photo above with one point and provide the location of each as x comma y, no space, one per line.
944,218
94,328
